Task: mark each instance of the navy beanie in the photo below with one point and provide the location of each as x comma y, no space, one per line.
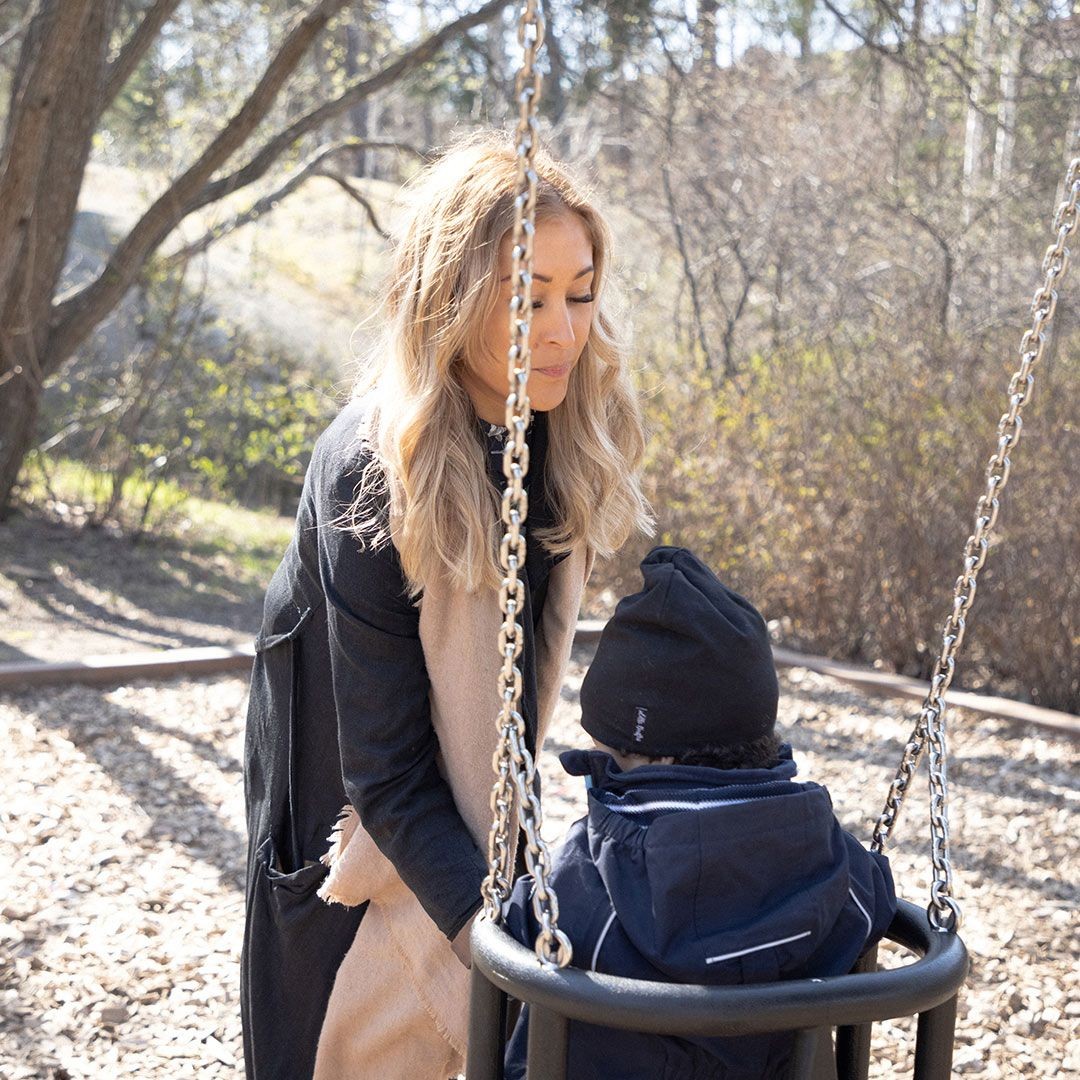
683,664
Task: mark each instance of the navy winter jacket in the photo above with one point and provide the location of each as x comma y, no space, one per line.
698,875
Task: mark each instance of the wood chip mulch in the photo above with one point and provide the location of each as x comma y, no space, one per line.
123,846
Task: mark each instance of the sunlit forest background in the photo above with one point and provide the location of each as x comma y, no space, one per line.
830,217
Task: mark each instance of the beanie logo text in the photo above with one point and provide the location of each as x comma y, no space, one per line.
639,726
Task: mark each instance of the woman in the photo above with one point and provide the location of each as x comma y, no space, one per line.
373,687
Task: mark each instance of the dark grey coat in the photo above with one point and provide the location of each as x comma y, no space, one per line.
338,713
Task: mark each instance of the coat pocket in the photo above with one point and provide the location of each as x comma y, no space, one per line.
287,889
293,946
270,750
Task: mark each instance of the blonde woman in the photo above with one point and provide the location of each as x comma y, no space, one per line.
370,729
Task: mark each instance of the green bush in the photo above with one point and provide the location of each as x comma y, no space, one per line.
188,405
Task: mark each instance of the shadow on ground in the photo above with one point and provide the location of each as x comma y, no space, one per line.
69,591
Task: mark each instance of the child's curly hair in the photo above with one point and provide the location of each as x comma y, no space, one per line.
760,753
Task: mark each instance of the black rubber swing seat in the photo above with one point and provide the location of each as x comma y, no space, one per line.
928,988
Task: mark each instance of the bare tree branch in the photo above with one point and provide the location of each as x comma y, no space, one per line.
15,31
895,55
120,69
954,61
314,166
364,88
362,199
77,314
688,269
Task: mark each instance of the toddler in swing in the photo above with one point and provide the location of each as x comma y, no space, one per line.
702,859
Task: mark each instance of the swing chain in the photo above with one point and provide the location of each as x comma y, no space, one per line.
513,764
944,911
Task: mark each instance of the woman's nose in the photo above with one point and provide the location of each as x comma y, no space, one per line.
558,328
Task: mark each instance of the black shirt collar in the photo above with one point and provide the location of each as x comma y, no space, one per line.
541,514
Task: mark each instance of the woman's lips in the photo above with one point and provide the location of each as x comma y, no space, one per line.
555,372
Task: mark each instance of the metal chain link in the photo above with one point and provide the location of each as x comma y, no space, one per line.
515,769
944,911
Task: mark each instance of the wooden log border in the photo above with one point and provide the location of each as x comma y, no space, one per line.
215,660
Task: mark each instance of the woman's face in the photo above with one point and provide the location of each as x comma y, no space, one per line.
562,302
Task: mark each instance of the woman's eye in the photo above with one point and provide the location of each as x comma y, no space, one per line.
573,300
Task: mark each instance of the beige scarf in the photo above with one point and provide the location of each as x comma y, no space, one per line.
399,1006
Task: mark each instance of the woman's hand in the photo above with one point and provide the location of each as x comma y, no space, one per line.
460,944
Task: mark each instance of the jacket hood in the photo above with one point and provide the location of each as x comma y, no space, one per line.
716,875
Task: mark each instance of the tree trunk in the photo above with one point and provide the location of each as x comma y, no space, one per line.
918,22
45,61
980,86
19,400
426,118
688,267
1012,33
44,233
63,59
777,300
706,32
803,23
554,91
359,113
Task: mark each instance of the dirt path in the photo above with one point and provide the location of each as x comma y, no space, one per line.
66,592
123,835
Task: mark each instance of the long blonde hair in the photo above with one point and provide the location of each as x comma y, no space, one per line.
443,508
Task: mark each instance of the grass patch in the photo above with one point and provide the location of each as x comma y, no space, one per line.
247,543
251,541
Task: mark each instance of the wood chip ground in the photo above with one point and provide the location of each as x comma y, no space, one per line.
123,843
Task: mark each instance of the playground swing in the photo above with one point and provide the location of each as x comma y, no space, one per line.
812,1008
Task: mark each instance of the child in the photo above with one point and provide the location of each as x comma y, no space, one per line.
701,859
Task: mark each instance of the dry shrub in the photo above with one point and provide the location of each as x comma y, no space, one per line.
836,489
